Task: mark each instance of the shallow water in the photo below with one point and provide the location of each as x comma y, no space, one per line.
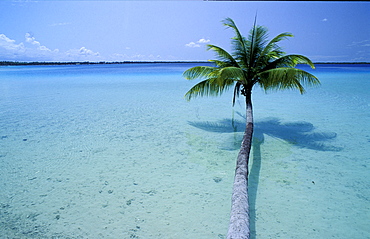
114,151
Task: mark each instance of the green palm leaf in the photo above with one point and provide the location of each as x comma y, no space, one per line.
223,55
238,42
287,78
256,42
218,80
272,45
209,87
271,51
198,72
221,64
236,91
232,73
291,61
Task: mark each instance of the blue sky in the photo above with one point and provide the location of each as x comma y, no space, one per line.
175,30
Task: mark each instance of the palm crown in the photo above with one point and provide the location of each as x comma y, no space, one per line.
254,60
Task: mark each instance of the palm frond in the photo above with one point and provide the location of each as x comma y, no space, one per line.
209,87
223,55
286,78
238,42
260,36
271,51
228,22
221,64
198,72
236,91
228,73
291,61
272,45
255,43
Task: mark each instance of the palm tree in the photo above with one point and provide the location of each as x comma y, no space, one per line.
253,61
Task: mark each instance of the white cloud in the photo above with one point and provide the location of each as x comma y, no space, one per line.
197,43
33,50
362,50
324,20
118,57
364,43
82,54
31,39
203,40
6,40
87,52
8,44
140,57
44,48
328,58
9,50
59,24
192,44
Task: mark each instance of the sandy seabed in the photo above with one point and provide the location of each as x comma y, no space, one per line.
117,156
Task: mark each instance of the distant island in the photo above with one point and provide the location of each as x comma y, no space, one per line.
18,63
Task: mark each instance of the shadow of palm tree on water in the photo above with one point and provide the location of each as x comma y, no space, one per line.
300,134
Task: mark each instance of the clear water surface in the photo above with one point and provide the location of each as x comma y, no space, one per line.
114,151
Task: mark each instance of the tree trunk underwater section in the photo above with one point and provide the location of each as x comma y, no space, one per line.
239,216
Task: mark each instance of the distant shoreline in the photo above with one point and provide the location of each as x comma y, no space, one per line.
17,63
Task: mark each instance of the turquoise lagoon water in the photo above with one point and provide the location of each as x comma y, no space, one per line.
114,151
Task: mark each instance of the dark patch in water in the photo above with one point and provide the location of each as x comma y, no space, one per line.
300,134
217,179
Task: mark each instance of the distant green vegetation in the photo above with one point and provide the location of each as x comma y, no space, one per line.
20,63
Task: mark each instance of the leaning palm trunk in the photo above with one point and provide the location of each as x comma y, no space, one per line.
253,61
239,216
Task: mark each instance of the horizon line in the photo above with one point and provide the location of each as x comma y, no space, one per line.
4,63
